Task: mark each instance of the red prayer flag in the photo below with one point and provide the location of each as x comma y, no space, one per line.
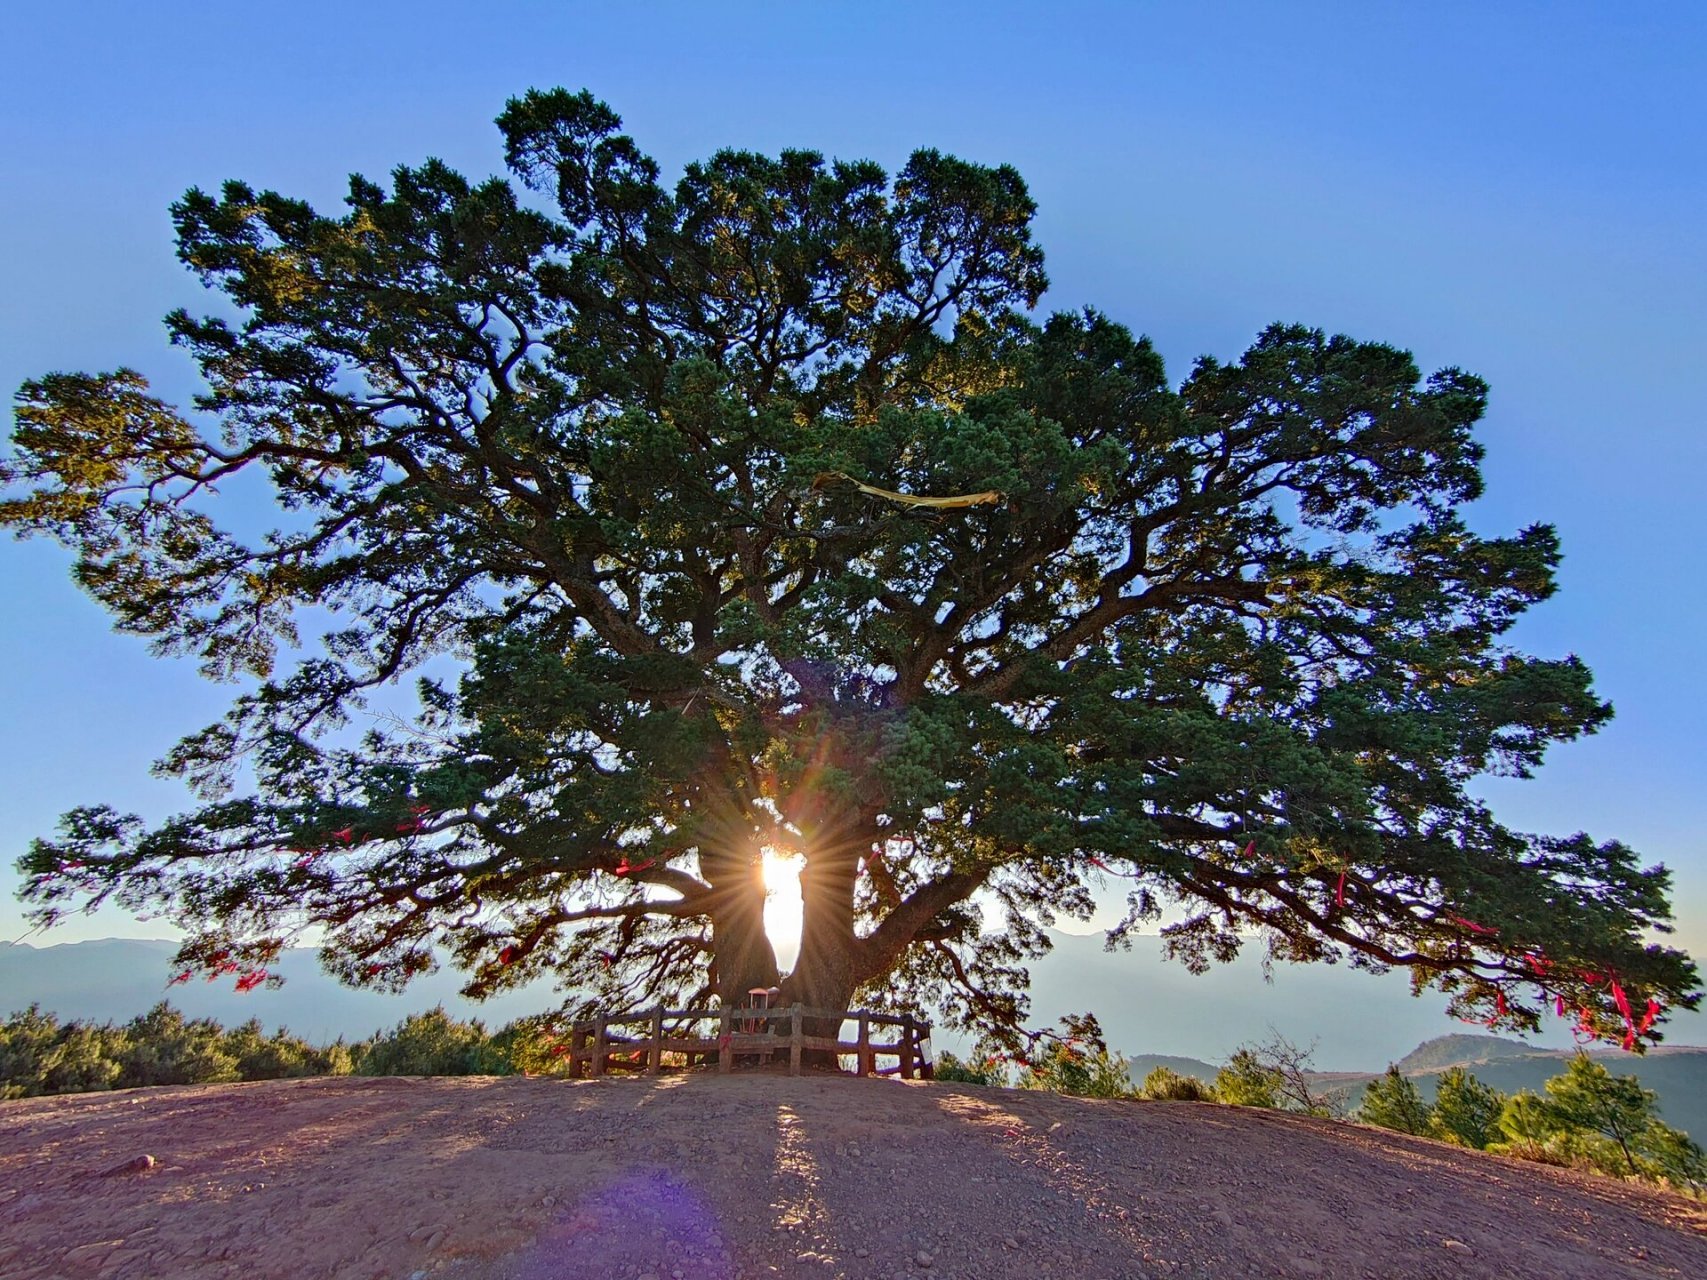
1648,1017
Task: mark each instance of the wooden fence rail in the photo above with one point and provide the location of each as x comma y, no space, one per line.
596,1046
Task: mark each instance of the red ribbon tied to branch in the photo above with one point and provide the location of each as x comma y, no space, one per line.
1499,1008
1654,1010
1339,891
251,980
1486,931
626,868
509,955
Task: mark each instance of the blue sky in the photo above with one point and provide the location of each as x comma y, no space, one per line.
1517,189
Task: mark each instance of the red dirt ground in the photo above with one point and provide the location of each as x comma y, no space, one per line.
712,1178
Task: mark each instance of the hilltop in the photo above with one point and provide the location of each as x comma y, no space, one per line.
713,1178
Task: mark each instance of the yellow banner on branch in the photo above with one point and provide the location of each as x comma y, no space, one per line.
825,478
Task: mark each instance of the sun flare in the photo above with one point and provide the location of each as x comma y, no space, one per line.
783,905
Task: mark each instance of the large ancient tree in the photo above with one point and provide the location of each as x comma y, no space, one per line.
647,461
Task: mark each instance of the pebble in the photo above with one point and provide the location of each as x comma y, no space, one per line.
141,1164
923,1259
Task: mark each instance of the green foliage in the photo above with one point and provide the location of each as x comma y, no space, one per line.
38,1055
1597,1120
1392,1102
41,1055
1247,1081
1163,1084
275,1057
1276,1073
950,1069
433,1044
1466,1111
163,1047
646,457
1084,1071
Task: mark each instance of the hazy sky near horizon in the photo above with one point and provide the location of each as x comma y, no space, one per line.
1516,189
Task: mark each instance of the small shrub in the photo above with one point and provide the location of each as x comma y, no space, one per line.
1165,1085
1091,1072
952,1070
1246,1081
433,1044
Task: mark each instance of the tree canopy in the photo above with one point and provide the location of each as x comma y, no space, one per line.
645,460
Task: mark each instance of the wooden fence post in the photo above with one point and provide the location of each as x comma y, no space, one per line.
906,1046
655,1053
577,1050
796,1032
601,1041
867,1061
725,1040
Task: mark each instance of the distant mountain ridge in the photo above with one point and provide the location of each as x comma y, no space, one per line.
1156,1012
1139,1065
1460,1050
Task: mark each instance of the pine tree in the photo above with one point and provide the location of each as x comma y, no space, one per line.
1393,1102
1465,1111
759,513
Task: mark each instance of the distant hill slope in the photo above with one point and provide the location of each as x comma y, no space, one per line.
1140,1065
1461,1050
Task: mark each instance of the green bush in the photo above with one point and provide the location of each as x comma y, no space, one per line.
953,1071
40,1055
1246,1081
1092,1072
433,1044
163,1047
1165,1085
279,1056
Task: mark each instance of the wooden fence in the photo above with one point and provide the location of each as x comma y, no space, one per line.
602,1045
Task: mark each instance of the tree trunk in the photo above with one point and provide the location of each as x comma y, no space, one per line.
825,977
742,954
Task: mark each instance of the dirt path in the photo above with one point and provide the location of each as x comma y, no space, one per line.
708,1178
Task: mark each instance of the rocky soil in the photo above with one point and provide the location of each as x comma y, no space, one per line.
756,1175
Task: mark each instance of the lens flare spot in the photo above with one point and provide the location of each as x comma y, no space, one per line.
784,906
